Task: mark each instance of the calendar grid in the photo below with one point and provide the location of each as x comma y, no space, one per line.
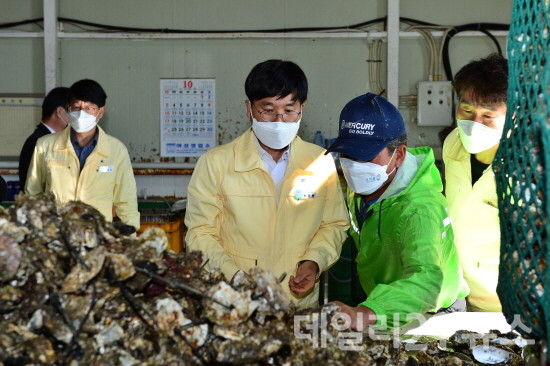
187,117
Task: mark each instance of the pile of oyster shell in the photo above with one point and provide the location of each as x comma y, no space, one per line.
77,290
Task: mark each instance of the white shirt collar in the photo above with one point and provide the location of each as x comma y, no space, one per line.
264,155
277,169
49,128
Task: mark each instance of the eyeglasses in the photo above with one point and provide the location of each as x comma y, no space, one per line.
90,109
271,115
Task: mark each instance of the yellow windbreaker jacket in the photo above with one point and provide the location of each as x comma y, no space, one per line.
234,218
474,212
106,180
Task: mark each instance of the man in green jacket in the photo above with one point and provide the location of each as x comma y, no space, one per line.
407,259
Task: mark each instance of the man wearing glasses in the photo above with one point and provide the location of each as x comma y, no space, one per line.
268,199
83,162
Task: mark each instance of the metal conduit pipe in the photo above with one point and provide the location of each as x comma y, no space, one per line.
297,35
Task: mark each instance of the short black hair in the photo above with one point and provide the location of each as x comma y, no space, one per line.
486,78
399,140
276,78
89,91
57,97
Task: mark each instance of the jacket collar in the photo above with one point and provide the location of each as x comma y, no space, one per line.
457,150
63,142
246,153
247,156
458,153
403,177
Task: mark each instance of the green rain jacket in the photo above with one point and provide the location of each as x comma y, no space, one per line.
407,260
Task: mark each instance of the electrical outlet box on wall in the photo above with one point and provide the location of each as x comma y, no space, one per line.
434,106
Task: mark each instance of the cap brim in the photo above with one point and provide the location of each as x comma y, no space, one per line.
357,149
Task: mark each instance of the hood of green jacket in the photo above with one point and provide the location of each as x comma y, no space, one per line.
419,171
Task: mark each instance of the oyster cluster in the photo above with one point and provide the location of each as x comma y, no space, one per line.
77,290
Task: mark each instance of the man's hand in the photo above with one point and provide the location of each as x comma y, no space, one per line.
304,280
360,316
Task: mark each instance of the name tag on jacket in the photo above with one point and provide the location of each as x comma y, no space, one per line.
304,188
105,169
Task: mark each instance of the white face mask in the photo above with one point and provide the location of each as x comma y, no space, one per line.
476,137
365,178
82,121
275,135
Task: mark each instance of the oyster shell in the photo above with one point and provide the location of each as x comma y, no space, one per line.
10,257
490,354
76,291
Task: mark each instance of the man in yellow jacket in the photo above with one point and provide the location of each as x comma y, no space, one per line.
83,162
468,153
269,199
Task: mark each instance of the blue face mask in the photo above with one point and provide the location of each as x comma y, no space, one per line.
365,178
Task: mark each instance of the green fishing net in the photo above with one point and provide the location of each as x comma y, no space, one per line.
522,173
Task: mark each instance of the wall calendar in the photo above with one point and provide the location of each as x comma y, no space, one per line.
187,117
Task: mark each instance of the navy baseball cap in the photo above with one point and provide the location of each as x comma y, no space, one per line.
367,124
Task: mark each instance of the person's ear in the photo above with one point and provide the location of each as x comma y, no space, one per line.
248,107
60,112
400,154
101,112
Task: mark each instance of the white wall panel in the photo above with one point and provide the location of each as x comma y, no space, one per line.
129,70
